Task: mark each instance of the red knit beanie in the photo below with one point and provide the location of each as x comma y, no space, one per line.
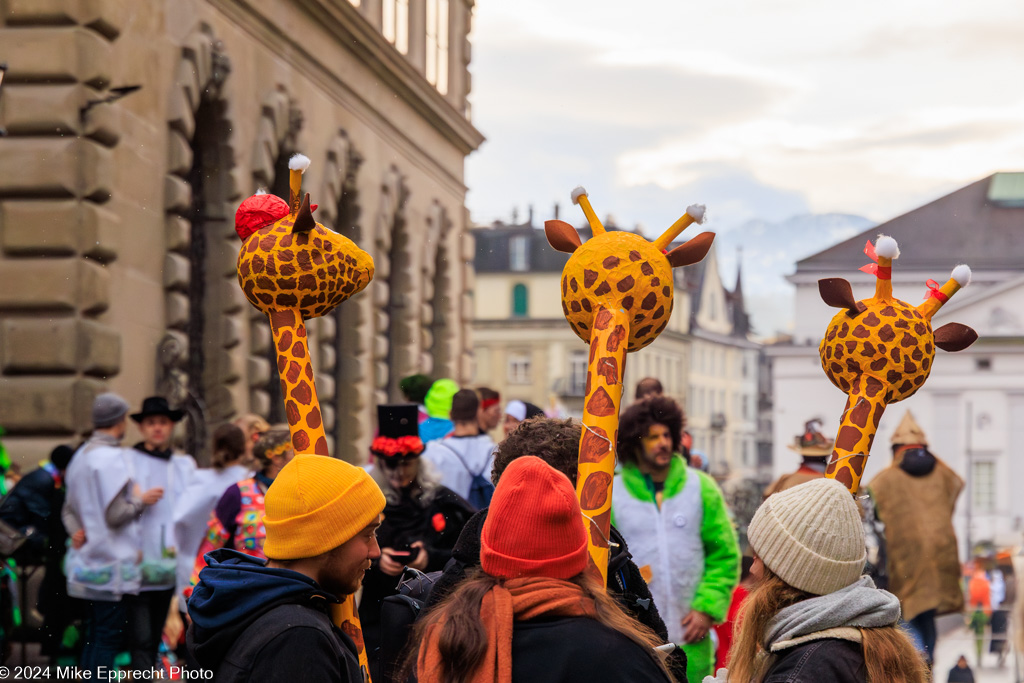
534,526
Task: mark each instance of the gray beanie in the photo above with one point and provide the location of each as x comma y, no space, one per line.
108,409
810,536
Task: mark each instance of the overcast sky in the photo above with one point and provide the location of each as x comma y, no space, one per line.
760,109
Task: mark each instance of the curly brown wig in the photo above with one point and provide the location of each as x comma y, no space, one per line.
637,420
556,442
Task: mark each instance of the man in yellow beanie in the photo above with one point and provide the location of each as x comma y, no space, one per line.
268,620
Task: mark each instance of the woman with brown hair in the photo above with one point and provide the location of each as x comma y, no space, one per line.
533,613
812,617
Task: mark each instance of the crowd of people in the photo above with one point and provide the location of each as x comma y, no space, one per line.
237,568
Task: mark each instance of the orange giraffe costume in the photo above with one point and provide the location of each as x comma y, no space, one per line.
617,297
293,269
880,351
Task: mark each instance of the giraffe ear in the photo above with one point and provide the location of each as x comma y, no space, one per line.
837,293
955,337
693,251
561,236
304,221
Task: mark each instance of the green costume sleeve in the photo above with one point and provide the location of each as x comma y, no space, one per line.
721,554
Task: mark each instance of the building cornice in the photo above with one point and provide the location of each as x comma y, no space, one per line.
352,31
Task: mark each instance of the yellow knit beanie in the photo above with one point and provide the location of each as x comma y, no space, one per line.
316,504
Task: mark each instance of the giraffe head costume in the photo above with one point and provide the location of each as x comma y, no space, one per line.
617,297
880,351
293,269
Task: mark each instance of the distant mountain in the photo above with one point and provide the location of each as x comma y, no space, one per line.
770,252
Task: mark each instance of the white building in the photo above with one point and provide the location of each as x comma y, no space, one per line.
972,406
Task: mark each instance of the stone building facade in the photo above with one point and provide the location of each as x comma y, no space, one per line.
117,247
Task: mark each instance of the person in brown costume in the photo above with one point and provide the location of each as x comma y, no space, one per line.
914,497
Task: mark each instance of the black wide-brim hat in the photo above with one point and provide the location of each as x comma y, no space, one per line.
157,405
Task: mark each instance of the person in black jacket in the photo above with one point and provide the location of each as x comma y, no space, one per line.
533,612
557,443
33,508
270,620
813,617
422,519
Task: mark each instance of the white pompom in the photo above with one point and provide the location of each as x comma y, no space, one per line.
580,191
886,247
261,191
696,212
962,275
298,162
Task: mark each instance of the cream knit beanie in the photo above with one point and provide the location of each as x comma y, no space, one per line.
811,536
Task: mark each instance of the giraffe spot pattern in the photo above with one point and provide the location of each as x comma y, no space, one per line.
851,346
872,320
575,306
572,284
906,386
299,350
565,287
600,522
860,413
908,340
614,339
594,493
872,386
666,290
886,334
285,342
848,438
603,319
627,302
594,445
587,306
878,364
920,328
658,313
303,393
625,284
839,352
634,255
901,324
603,288
300,441
644,331
610,262
655,282
608,369
869,349
314,419
844,477
828,352
589,278
857,464
649,301
291,410
646,269
600,403
894,353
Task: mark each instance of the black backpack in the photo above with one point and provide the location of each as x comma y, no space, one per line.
397,615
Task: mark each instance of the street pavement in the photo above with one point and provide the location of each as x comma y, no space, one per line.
955,640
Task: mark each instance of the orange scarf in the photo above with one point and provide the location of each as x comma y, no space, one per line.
512,600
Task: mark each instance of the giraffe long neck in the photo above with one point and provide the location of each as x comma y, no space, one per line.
307,428
297,387
863,411
596,466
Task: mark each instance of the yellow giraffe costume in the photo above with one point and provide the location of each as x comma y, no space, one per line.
617,297
880,351
293,269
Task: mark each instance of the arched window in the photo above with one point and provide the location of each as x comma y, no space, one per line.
520,300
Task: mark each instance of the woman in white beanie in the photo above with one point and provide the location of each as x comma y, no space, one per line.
813,616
